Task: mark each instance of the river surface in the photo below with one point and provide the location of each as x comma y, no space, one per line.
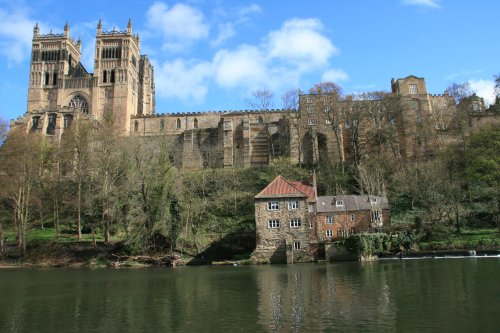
429,295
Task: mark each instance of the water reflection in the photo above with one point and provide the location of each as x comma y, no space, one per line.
447,295
300,297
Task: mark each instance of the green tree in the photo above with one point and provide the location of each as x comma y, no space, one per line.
483,172
152,205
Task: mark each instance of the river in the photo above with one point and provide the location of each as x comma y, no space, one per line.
438,295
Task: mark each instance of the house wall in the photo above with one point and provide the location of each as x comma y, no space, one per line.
342,221
276,244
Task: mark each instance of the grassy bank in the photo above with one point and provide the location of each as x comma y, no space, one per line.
467,239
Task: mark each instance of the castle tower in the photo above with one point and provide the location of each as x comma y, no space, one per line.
116,75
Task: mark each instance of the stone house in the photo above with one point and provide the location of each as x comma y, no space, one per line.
285,222
293,222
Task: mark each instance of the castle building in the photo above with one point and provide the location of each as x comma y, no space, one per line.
323,128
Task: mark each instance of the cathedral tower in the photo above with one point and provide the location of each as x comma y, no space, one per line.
53,58
116,75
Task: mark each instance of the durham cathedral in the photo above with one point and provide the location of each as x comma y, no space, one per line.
61,91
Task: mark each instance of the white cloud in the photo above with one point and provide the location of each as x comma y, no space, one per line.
300,41
334,75
183,79
485,89
16,32
297,48
245,66
425,3
180,24
251,9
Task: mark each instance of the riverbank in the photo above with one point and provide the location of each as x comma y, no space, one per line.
44,251
82,254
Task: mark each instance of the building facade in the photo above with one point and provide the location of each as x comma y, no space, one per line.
323,127
61,89
293,223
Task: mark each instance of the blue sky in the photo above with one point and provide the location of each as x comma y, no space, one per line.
211,55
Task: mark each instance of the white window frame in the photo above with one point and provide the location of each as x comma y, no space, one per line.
339,203
308,100
295,223
296,245
273,224
413,89
293,204
353,217
273,205
329,219
329,233
328,121
311,122
342,233
377,216
310,109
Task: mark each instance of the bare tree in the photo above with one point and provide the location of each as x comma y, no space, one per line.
290,101
331,110
19,156
263,101
76,152
107,170
462,120
3,130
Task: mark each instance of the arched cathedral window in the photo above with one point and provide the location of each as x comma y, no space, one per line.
79,103
178,123
104,76
195,123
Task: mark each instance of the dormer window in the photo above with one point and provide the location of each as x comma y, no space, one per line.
339,203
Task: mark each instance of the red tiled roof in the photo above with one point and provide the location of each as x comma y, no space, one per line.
281,187
305,188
